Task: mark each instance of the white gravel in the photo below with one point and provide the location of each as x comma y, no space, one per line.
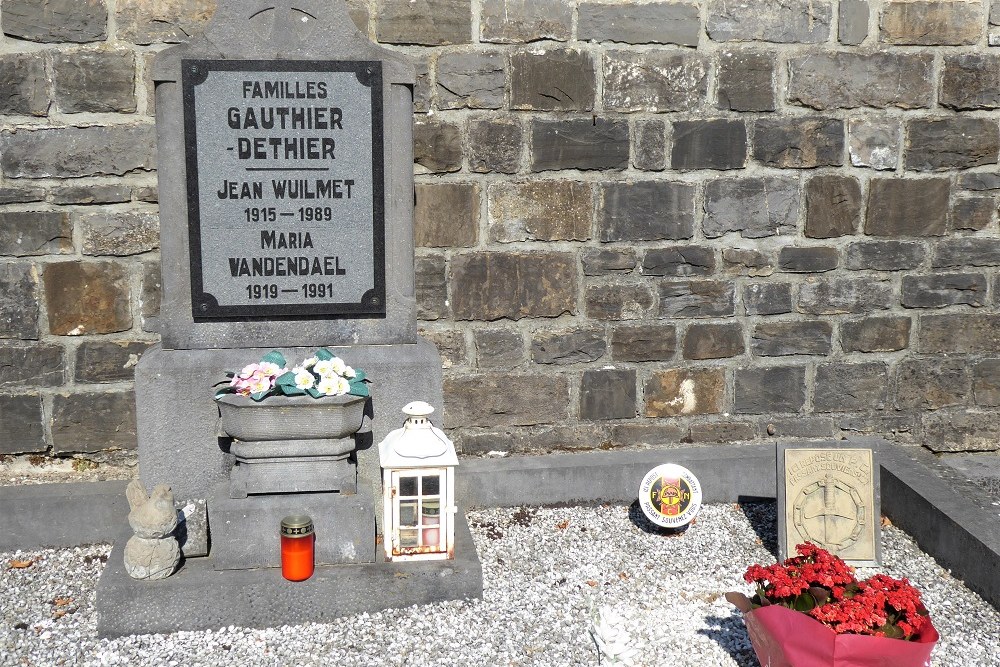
544,572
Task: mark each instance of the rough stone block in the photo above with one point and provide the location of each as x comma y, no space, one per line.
31,365
437,145
23,84
794,259
873,143
450,344
470,80
907,207
422,85
767,298
149,294
930,384
19,309
21,420
754,207
931,22
87,298
35,233
721,432
769,389
791,21
875,334
748,261
147,193
95,81
847,80
959,334
660,80
92,194
498,348
446,215
901,428
944,289
846,387
680,261
495,145
619,302
994,17
489,285
646,435
979,181
883,256
967,251
746,80
799,143
107,361
644,342
713,341
645,211
852,22
552,80
424,22
986,383
430,282
487,400
974,213
20,195
800,427
120,233
697,298
649,152
608,261
942,144
781,339
545,439
568,346
68,152
961,432
844,295
833,206
709,144
143,22
518,21
653,23
56,20
550,210
970,81
685,391
608,393
91,422
578,143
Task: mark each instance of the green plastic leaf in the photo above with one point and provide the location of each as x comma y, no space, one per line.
291,390
286,379
312,391
274,357
358,389
359,376
260,395
324,354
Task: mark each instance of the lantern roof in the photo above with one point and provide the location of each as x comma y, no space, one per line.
418,444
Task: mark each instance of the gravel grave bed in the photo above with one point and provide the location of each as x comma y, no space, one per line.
545,572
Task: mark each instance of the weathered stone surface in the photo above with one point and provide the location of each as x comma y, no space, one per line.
92,422
900,428
660,80
558,79
494,285
696,298
495,145
942,144
608,261
685,391
147,193
745,80
422,85
961,431
479,442
846,387
790,21
608,393
450,344
844,295
907,207
23,84
875,334
150,559
944,289
619,302
437,145
546,439
446,215
852,22
800,427
994,17
19,309
35,233
649,153
489,400
95,81
92,194
67,152
498,348
87,298
986,383
767,298
754,207
470,80
967,251
653,23
568,346
149,295
931,22
929,384
431,286
20,195
709,144
56,20
814,259
646,435
970,81
645,211
748,261
799,143
21,420
979,181
873,143
846,80
425,22
107,361
780,339
959,334
769,389
578,143
833,206
644,342
721,432
713,341
120,232
679,261
883,256
152,515
516,21
550,210
143,22
973,213
31,365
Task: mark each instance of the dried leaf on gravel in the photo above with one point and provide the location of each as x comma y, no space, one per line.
20,564
591,583
563,525
62,602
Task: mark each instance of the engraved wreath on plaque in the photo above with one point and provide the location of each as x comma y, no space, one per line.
829,513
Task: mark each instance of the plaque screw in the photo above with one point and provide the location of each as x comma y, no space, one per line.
376,301
368,70
203,307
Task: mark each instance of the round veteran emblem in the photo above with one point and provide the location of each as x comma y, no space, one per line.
670,495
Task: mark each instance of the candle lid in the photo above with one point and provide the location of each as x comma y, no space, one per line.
297,525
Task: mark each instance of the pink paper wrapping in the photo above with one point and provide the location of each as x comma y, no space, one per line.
785,638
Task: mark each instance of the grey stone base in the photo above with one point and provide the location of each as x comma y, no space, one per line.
198,597
245,532
291,474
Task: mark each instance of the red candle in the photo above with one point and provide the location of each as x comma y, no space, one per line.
298,543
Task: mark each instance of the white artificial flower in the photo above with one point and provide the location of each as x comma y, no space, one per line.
268,368
349,372
614,643
303,378
343,386
310,362
328,386
338,365
324,368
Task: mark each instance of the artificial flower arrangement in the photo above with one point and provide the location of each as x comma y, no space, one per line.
811,611
323,374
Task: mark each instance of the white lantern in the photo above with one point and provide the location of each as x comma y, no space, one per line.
418,489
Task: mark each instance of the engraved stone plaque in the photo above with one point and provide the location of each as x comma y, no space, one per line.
829,496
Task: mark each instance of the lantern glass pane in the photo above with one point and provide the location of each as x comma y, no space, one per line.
407,486
408,538
408,513
432,485
431,513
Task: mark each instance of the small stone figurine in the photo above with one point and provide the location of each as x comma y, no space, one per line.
153,552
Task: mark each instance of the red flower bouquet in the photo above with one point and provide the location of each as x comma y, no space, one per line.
810,611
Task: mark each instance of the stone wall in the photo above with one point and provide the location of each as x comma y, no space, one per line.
638,222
